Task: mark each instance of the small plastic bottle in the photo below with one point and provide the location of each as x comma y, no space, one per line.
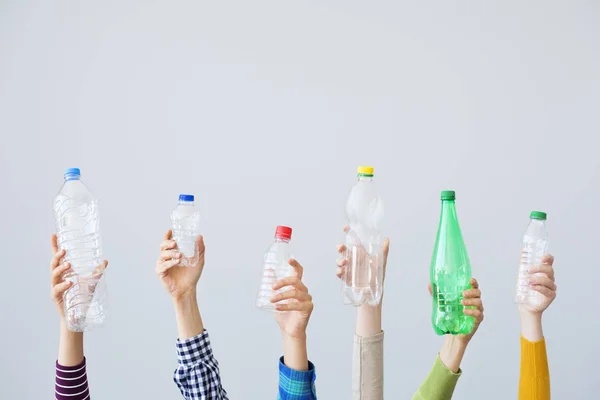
275,267
185,221
533,248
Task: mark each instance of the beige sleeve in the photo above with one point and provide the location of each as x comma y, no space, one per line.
367,368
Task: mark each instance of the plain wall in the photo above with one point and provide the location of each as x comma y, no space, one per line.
264,109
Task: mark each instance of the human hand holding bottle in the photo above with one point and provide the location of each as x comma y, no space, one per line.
70,348
368,321
293,308
455,346
180,282
541,279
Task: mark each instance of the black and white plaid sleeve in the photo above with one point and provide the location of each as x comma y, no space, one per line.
197,374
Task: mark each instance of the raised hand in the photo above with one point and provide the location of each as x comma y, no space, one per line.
342,261
541,280
294,305
471,298
59,269
178,280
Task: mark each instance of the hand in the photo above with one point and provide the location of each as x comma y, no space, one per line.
342,261
293,314
178,280
541,280
471,298
59,269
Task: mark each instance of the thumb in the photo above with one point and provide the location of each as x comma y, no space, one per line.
200,244
429,289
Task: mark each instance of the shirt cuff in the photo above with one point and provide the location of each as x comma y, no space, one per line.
194,350
297,384
71,382
534,358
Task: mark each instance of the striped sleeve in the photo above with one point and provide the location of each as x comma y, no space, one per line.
71,382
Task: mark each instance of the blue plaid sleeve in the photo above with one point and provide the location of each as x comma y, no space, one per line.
296,385
197,374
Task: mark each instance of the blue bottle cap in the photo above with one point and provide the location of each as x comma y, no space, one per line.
186,197
72,173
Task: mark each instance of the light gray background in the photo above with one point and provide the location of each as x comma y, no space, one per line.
264,109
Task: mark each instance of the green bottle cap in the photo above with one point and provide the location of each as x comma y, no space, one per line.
538,215
448,195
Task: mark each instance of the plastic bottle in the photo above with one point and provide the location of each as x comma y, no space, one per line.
362,280
450,273
78,232
534,247
275,267
185,220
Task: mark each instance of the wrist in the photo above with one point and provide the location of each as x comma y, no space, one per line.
187,313
295,354
368,320
453,352
531,326
184,297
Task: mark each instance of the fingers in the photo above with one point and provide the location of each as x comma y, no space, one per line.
57,273
543,269
430,289
99,270
472,293
474,283
473,303
298,270
386,248
290,281
305,306
168,235
59,290
346,228
474,312
57,259
291,294
200,244
548,259
542,280
167,244
167,255
544,291
341,248
341,263
54,243
162,267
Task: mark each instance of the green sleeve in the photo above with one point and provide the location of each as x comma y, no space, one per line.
439,384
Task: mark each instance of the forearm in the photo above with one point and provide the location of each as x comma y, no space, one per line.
368,320
187,313
531,326
295,355
70,347
452,353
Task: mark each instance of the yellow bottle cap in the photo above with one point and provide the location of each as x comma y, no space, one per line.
362,170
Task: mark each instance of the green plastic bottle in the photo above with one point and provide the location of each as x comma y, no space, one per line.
450,273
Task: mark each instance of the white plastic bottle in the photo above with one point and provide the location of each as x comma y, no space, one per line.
78,232
362,281
534,247
275,267
185,221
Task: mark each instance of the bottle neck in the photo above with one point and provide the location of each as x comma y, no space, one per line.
365,178
186,203
448,212
282,239
72,178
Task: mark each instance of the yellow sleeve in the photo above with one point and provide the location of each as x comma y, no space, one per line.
534,381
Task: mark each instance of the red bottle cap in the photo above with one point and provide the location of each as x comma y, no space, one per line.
283,232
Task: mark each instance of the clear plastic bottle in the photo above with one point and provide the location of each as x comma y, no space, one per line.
185,221
362,281
534,247
275,267
78,232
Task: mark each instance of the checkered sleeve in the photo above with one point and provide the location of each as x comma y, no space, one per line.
296,385
197,374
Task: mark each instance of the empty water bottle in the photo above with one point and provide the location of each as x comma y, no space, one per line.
534,247
78,232
362,279
185,221
275,267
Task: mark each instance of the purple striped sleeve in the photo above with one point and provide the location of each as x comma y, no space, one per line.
71,382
